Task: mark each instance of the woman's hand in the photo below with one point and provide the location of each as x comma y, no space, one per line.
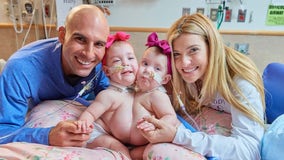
156,131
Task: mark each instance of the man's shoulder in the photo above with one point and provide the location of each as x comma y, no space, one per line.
41,42
36,48
35,54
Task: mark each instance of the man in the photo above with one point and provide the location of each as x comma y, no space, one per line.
56,68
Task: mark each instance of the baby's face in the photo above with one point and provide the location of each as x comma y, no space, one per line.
152,69
121,63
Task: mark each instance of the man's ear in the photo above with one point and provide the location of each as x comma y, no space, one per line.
166,79
61,34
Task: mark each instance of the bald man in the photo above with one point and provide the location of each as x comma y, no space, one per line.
51,69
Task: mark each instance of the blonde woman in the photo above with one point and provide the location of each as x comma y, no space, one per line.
221,89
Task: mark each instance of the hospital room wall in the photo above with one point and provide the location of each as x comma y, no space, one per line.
263,48
265,41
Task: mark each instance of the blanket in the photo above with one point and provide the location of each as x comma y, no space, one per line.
47,114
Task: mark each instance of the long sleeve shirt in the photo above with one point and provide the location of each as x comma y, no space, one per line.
31,75
246,134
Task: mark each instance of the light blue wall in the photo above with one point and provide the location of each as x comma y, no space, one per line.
162,13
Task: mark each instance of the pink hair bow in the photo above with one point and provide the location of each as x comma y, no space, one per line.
118,36
153,41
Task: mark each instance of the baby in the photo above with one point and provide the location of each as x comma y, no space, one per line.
117,110
112,109
151,97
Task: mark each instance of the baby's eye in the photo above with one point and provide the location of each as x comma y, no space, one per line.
157,68
144,63
116,61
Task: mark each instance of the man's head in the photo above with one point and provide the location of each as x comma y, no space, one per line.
83,40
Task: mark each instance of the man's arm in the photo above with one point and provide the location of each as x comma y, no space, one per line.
16,89
14,107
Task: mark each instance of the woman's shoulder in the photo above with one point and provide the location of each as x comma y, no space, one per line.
240,80
244,85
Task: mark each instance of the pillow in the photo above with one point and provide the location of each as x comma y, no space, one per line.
32,151
49,113
273,140
210,121
173,152
273,79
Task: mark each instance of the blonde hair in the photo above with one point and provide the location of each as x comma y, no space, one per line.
224,64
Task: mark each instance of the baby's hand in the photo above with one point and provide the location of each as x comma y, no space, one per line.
145,126
84,126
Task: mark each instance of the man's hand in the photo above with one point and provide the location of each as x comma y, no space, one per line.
161,132
67,134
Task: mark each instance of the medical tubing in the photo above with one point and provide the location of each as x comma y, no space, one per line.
195,126
14,17
88,85
220,16
29,29
186,113
182,106
81,92
193,121
44,19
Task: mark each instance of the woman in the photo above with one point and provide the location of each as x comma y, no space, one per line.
222,90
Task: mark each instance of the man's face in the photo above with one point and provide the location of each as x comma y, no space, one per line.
83,44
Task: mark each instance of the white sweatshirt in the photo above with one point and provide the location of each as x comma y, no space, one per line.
245,141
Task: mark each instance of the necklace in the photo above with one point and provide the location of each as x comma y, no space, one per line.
198,85
195,96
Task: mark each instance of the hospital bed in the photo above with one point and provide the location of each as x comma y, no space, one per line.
273,77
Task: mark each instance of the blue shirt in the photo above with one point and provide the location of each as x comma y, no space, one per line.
31,75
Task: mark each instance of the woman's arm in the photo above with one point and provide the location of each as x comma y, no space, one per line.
246,134
243,143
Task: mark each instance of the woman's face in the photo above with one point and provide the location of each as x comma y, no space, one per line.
191,56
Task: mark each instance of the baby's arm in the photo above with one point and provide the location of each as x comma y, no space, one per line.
98,107
85,122
162,111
